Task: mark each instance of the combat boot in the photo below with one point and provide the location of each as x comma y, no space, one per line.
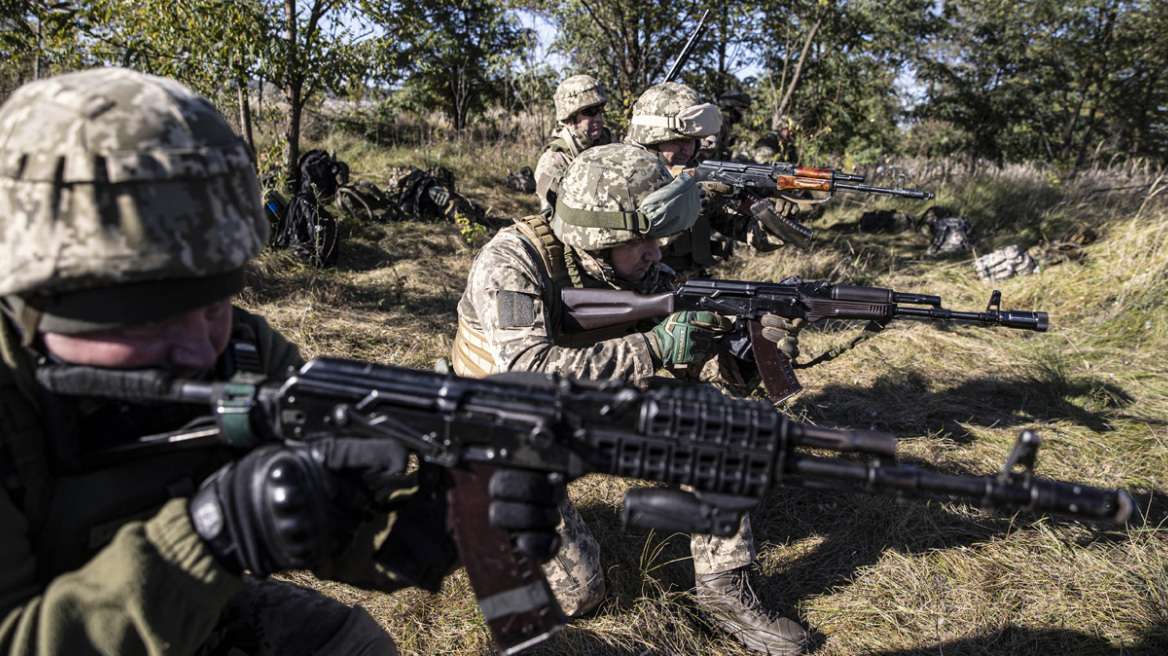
731,604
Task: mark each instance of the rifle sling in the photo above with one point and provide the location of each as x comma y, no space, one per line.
871,330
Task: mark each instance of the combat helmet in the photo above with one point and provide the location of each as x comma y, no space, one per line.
618,194
126,198
669,111
576,93
734,98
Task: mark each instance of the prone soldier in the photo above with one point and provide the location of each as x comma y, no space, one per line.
131,210
615,204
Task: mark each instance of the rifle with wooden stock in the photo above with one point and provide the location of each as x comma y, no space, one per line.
752,183
732,452
592,309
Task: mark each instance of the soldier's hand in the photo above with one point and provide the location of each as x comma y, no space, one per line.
686,338
784,333
526,503
282,508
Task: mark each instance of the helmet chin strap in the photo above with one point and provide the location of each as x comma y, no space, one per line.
26,317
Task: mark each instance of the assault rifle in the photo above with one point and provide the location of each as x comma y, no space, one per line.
751,183
732,452
592,309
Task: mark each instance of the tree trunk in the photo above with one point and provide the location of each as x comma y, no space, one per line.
245,111
293,78
776,120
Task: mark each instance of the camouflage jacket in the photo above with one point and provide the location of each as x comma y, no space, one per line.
556,156
513,302
104,559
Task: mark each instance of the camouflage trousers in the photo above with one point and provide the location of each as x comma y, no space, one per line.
271,617
577,578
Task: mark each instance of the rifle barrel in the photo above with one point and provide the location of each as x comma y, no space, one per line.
915,194
1036,321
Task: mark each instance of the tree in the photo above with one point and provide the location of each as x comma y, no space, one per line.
627,44
1052,80
835,66
454,55
37,39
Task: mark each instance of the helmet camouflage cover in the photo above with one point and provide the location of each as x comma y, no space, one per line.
618,194
576,93
119,185
656,111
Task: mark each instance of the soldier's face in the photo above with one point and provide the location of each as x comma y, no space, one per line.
590,121
632,261
186,344
678,152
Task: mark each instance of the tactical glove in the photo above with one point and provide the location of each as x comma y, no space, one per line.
784,333
527,503
684,338
282,508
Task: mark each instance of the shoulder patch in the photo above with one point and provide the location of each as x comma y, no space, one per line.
516,310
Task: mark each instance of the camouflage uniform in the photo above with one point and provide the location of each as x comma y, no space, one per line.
693,253
510,320
572,95
102,556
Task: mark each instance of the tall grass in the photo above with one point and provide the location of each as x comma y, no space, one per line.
868,574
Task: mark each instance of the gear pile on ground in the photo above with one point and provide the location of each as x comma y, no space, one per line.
1004,264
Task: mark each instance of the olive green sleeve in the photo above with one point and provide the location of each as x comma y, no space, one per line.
277,352
155,589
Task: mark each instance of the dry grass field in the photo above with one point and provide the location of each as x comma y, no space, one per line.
867,574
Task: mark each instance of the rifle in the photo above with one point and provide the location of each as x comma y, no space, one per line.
754,182
591,309
689,45
733,452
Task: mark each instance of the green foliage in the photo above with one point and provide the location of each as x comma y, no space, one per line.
38,39
1059,81
448,55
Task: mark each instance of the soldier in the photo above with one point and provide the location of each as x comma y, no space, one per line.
733,105
778,145
580,112
614,204
670,119
130,211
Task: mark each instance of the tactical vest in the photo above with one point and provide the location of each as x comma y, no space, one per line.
560,145
74,504
472,354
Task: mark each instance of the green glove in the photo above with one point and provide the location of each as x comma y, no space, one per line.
685,337
784,333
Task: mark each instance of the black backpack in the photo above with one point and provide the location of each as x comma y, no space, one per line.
309,230
318,174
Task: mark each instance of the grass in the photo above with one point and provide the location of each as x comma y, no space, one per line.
868,574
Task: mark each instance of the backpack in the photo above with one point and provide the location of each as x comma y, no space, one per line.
318,174
309,230
365,200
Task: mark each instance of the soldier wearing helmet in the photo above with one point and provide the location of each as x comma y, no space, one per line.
580,112
733,105
615,205
778,145
131,210
671,119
